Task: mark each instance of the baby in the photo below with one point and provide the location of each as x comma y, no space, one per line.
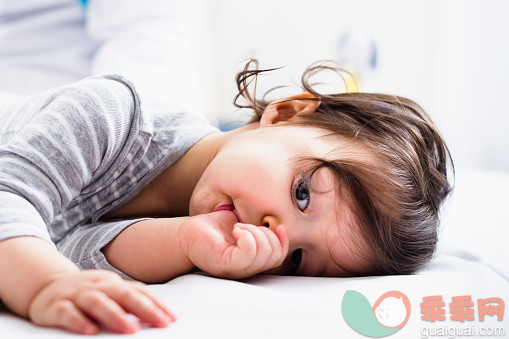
319,185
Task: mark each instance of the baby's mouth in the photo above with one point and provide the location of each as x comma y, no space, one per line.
225,207
228,207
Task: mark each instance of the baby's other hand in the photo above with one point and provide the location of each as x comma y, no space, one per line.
81,301
220,245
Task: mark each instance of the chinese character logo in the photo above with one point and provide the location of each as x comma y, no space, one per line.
461,308
389,313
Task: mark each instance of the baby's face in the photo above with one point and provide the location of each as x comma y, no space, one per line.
256,174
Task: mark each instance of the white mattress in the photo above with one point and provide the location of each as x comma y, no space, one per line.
472,260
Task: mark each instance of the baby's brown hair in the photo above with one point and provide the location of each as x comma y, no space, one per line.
397,205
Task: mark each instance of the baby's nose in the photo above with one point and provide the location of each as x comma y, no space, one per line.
270,222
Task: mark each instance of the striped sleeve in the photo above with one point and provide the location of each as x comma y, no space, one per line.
84,244
74,135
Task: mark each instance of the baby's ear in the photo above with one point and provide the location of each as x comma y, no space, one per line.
284,110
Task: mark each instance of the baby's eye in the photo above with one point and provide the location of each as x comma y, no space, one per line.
295,260
302,196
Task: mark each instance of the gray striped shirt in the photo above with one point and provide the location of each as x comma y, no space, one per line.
70,155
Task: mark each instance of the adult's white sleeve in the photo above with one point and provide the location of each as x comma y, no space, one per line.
149,42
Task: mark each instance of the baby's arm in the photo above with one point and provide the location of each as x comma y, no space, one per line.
27,265
58,144
158,250
149,251
49,289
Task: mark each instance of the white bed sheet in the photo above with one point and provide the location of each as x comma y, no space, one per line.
472,260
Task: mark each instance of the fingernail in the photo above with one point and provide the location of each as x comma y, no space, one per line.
90,330
132,328
171,317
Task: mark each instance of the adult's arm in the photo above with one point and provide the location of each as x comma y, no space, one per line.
148,42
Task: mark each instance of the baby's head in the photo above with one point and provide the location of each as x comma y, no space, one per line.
394,186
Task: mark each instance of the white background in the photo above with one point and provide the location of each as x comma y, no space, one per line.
451,56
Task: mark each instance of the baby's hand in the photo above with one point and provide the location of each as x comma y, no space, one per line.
80,301
218,244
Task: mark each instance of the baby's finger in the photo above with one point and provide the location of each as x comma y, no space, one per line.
263,246
282,235
68,316
244,253
277,253
105,311
140,305
142,288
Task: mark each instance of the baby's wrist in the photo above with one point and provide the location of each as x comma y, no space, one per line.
184,236
44,285
183,239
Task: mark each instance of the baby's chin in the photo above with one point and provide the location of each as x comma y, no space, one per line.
194,210
198,206
204,199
